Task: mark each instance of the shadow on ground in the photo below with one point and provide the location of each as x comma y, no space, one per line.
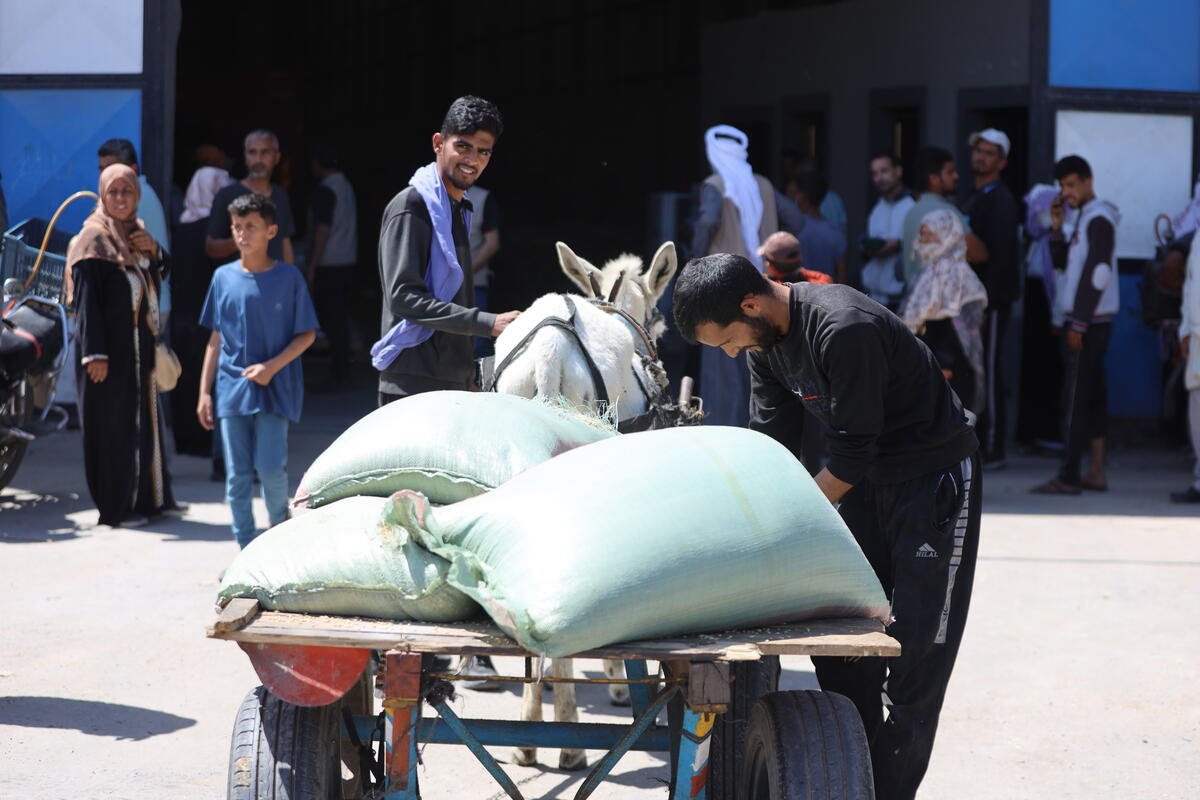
92,717
17,502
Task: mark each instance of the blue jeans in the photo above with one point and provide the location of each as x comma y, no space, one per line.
255,443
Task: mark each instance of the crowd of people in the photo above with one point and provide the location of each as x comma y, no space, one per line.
952,271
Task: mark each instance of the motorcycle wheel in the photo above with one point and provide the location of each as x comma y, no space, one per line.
16,412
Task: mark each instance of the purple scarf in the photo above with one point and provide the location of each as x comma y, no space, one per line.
445,274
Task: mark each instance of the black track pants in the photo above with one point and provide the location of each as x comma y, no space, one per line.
921,538
1085,398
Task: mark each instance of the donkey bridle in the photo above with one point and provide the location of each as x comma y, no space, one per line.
642,421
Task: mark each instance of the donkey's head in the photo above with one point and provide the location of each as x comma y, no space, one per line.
624,283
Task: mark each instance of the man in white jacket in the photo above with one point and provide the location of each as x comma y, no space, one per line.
1189,345
1086,305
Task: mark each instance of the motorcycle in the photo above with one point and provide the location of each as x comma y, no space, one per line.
32,356
34,331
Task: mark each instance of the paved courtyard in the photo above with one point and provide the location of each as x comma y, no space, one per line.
1077,676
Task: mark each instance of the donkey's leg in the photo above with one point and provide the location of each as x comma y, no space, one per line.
565,710
618,693
531,711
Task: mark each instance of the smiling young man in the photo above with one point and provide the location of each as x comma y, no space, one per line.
425,263
425,269
902,465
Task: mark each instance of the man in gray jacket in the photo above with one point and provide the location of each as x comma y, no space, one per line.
1085,307
425,263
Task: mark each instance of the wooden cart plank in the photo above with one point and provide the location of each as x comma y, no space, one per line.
841,637
234,615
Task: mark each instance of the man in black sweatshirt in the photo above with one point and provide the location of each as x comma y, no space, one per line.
902,465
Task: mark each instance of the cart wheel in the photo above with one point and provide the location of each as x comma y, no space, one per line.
284,752
806,746
751,681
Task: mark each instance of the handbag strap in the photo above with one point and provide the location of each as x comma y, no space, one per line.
152,319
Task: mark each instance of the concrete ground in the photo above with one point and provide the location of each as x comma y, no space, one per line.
1077,676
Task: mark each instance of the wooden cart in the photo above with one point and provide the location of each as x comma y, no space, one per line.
314,710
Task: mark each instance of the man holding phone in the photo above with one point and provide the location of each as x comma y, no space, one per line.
1085,308
881,276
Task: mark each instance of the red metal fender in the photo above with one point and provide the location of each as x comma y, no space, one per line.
306,675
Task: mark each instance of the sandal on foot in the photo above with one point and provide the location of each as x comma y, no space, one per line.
1092,486
1056,486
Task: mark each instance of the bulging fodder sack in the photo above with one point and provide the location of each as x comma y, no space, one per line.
347,558
661,533
447,445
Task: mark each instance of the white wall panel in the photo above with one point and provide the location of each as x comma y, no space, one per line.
55,37
1141,162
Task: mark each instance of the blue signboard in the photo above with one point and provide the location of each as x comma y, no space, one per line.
1125,44
1133,366
48,143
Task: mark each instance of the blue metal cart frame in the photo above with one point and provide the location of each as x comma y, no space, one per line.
695,674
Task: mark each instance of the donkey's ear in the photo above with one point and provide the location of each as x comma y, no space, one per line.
661,270
581,273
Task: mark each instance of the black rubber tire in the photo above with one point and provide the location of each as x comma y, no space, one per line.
18,412
751,681
284,752
806,746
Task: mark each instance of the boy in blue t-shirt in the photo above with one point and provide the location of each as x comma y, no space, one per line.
262,319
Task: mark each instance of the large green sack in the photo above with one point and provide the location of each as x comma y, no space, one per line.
347,558
447,445
650,534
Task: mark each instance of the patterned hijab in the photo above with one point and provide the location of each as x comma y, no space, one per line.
104,236
946,282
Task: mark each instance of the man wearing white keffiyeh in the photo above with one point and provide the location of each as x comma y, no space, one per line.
737,213
945,307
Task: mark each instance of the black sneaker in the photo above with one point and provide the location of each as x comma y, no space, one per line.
1190,496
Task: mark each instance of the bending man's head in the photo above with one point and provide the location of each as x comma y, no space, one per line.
718,302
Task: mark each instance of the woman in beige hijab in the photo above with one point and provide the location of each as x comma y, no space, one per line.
114,271
946,303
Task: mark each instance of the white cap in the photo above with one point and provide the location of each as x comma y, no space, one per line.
998,138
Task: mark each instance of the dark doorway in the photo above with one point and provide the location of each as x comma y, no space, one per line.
758,125
1006,109
592,95
804,130
897,123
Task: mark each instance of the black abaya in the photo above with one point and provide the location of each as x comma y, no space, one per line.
122,429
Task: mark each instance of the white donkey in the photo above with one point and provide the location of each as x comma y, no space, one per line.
608,359
615,336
